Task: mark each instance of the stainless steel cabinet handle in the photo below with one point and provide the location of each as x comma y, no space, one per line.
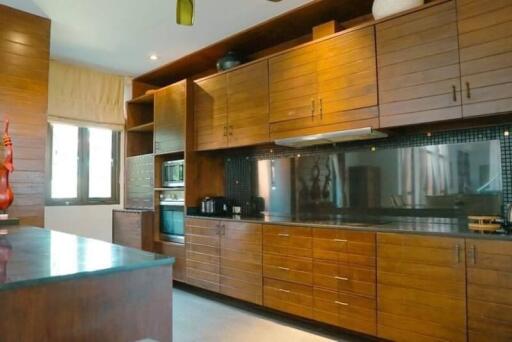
454,88
341,303
341,278
321,108
468,90
285,291
283,235
284,268
472,254
312,109
457,253
340,240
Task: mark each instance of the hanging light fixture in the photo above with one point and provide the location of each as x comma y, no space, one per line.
185,12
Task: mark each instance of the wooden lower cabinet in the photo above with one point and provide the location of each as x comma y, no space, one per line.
288,297
202,243
489,277
177,251
346,310
241,273
133,228
421,288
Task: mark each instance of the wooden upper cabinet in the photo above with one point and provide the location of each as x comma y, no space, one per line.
347,78
170,114
325,86
248,105
210,113
419,67
293,84
421,288
489,276
485,38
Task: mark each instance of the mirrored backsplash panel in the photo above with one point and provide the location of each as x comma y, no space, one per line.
449,174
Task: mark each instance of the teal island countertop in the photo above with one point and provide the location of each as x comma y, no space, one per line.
32,256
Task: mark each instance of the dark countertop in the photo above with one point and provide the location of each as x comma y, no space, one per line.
388,224
31,256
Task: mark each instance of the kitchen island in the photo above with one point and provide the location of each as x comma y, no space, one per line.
61,287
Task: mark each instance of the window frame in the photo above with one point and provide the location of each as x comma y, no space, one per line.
83,171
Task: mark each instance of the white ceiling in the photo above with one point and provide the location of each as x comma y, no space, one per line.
120,35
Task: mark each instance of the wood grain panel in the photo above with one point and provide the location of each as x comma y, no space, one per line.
121,306
291,269
485,35
421,289
176,250
293,84
347,74
202,244
241,273
24,56
287,241
210,112
339,277
489,277
345,310
133,228
418,67
288,297
248,105
170,114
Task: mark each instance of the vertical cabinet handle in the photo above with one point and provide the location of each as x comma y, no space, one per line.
225,131
468,90
321,109
231,130
454,89
472,254
312,109
457,253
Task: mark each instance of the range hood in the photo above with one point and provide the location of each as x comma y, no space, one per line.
366,133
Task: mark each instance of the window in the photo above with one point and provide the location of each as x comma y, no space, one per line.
84,165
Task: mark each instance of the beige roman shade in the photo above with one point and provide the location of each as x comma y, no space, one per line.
85,96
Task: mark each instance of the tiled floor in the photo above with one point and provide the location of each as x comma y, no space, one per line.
205,318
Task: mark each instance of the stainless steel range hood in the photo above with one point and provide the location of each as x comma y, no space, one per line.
366,133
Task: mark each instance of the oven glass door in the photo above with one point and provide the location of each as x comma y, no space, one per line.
172,222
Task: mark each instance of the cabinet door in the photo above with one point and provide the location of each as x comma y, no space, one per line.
139,182
418,67
133,229
240,261
421,288
248,105
170,113
485,38
203,253
210,113
292,78
489,277
347,79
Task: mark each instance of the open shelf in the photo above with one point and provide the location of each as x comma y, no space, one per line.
144,99
145,127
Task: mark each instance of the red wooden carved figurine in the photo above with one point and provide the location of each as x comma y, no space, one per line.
6,167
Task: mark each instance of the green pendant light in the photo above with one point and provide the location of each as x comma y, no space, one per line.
185,12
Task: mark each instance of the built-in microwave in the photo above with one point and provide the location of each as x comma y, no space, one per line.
173,174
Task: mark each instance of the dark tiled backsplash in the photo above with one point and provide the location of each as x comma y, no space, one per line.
238,161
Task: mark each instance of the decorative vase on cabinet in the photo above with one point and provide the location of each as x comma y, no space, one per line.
384,8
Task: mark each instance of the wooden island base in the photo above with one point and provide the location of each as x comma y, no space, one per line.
120,306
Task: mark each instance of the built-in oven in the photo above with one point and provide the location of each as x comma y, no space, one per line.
172,216
173,174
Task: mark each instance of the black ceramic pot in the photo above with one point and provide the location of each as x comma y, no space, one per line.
230,60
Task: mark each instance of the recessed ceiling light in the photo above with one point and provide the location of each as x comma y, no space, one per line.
153,57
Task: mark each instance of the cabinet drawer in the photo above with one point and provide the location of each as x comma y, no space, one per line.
297,270
339,277
290,241
345,310
348,247
288,297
